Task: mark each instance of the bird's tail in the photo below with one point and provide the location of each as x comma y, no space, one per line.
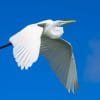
6,45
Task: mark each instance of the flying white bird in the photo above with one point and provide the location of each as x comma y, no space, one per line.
44,38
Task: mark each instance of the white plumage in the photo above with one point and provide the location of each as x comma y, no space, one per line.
44,38
26,45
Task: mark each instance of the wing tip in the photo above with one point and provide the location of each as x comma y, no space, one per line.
74,89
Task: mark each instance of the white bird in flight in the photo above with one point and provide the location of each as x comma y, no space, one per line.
44,38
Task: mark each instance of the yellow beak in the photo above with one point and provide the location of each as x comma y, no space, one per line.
68,22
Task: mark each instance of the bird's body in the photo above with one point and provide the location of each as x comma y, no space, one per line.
44,38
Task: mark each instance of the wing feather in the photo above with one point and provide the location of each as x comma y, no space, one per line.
60,55
26,45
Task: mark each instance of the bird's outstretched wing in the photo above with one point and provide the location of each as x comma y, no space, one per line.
60,55
26,45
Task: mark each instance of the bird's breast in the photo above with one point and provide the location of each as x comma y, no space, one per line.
55,32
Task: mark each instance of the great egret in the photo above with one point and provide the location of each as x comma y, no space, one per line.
44,38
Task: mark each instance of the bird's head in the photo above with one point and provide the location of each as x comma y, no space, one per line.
54,29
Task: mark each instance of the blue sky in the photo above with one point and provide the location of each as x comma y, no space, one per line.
40,82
